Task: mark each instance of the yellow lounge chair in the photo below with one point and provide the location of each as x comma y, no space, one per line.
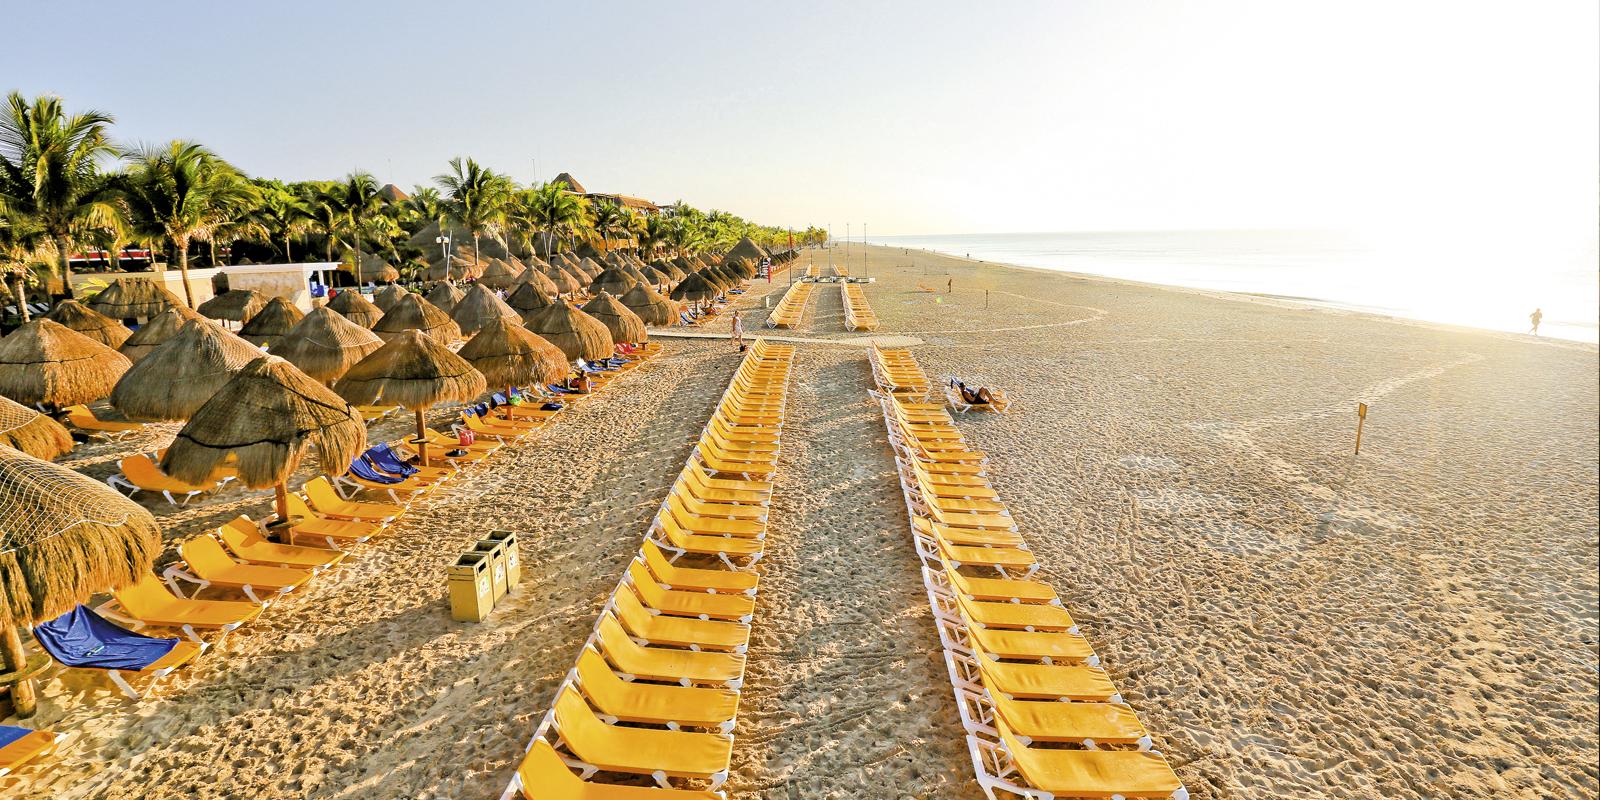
244,539
1054,646
695,523
710,508
335,533
693,481
1091,773
140,474
22,746
720,581
1035,681
205,563
672,536
147,602
327,502
1024,616
699,477
1012,590
83,419
701,605
662,754
657,628
542,775
687,667
653,703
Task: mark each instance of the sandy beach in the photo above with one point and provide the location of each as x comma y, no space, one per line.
1287,619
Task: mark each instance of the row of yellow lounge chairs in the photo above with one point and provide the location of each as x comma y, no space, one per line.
858,313
791,310
655,690
1042,717
897,373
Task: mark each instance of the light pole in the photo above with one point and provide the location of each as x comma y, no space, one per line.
444,247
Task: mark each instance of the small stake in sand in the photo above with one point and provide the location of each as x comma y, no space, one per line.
1361,411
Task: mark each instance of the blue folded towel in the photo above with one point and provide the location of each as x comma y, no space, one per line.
82,638
365,470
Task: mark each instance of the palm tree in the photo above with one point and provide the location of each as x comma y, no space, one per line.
326,215
50,171
357,197
185,192
555,210
608,220
21,244
282,214
476,198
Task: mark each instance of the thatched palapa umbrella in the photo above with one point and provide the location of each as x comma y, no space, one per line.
624,325
412,313
414,371
46,363
510,355
182,373
694,289
235,305
325,344
615,281
499,274
562,280
386,297
134,298
746,249
64,537
268,414
33,433
534,277
277,318
90,323
445,295
352,306
528,298
478,306
576,333
652,308
375,270
160,328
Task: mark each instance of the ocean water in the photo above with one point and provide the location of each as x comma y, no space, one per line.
1481,284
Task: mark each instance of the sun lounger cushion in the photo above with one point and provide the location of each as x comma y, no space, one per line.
82,638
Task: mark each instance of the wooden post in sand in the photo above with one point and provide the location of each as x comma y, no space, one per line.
1361,421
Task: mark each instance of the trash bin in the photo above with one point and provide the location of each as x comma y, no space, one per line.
497,565
471,587
508,542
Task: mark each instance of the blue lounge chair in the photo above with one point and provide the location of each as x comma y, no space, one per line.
83,639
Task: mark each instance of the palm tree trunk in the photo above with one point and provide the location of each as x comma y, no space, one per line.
19,287
330,249
63,257
474,252
286,256
183,271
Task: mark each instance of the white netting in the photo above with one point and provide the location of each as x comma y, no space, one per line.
14,415
39,500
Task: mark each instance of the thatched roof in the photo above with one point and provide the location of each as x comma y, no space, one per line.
375,269
576,333
460,242
182,373
614,280
45,362
158,329
479,305
356,308
34,433
128,298
387,296
571,182
267,415
695,288
510,355
412,313
325,344
499,274
411,370
90,323
714,278
392,194
65,537
445,295
686,266
237,305
564,281
624,325
528,297
591,268
538,279
673,272
651,307
272,321
746,249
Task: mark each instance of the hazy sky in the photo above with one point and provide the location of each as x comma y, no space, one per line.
926,117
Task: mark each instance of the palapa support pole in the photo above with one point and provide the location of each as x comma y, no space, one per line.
280,496
422,439
24,698
1361,421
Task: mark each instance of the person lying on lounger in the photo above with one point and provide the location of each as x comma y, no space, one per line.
978,396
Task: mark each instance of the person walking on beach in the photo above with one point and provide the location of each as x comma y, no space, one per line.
950,286
738,332
1535,317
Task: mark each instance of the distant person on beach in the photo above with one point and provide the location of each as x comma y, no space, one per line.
950,286
738,331
978,396
1536,317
